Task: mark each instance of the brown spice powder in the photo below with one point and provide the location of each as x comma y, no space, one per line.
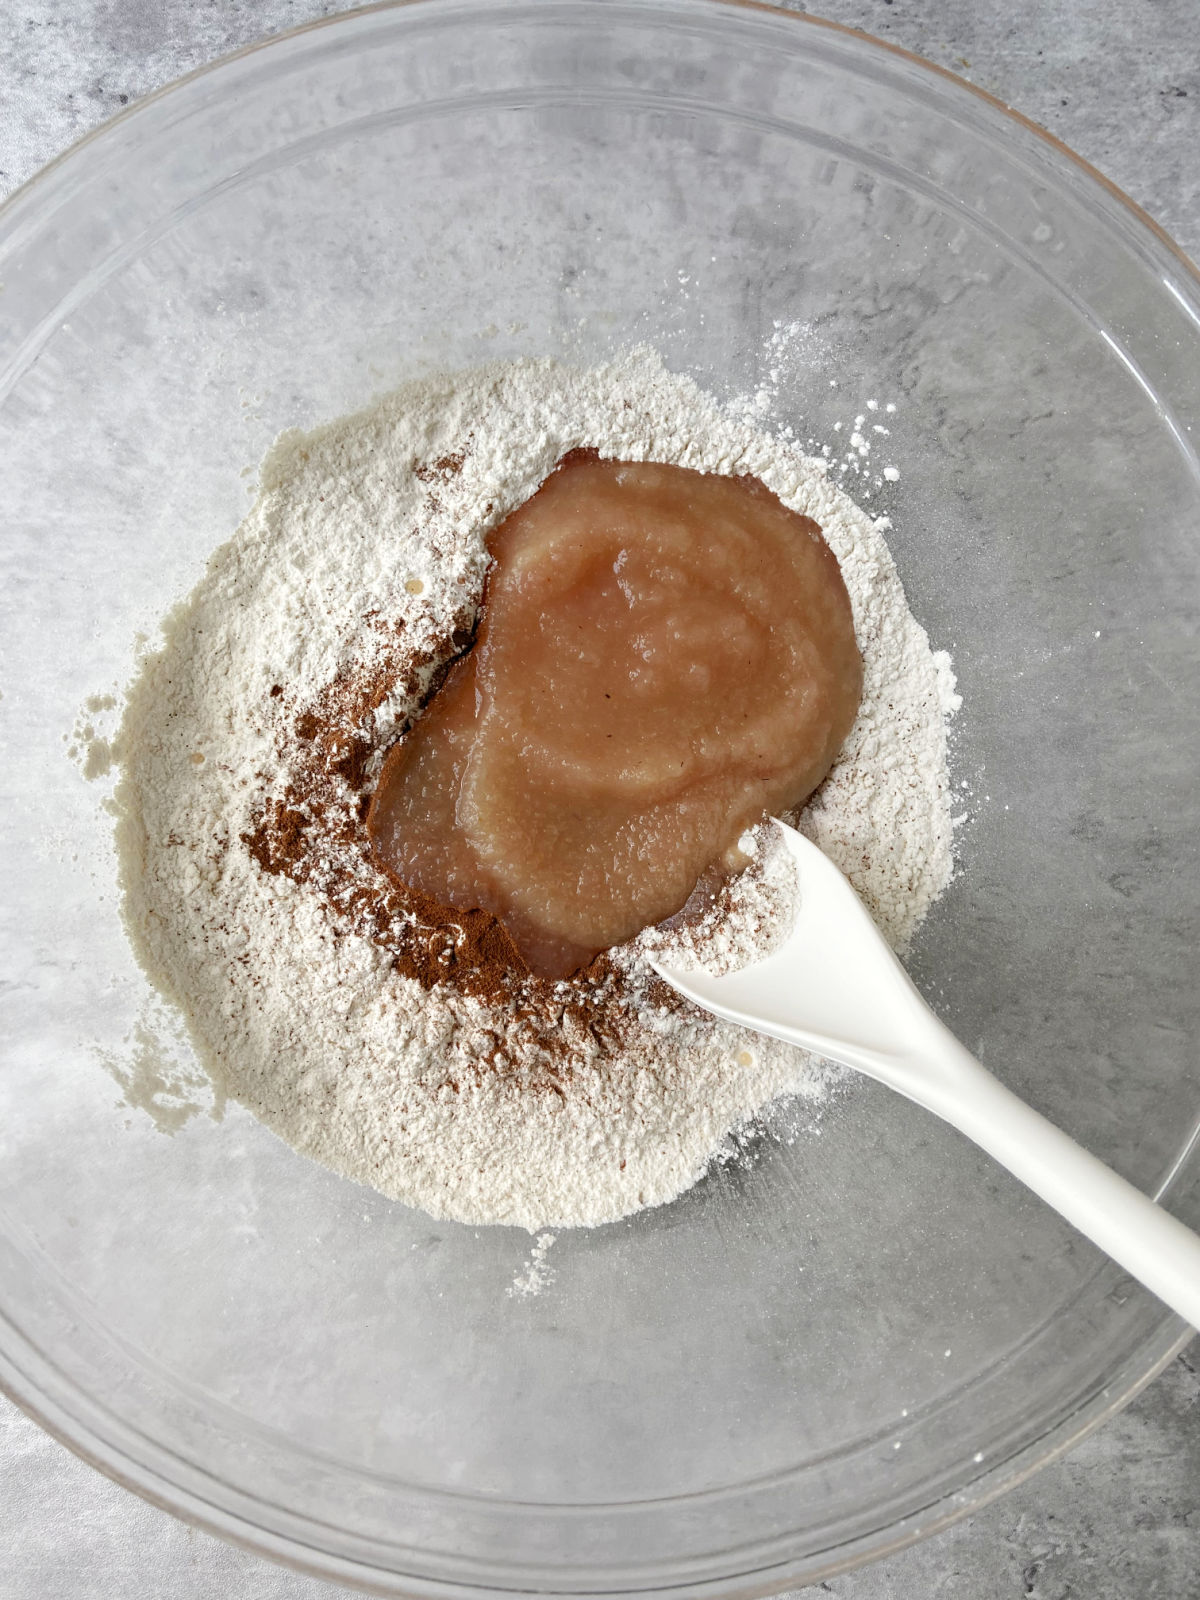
315,834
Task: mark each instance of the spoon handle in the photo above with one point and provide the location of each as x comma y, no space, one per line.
836,989
1152,1245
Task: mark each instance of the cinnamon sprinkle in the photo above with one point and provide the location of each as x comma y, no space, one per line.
315,834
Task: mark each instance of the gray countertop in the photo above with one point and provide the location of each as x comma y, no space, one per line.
1118,81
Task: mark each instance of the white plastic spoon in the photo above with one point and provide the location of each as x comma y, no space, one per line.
834,987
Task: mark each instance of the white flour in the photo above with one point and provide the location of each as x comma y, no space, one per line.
535,1275
309,1024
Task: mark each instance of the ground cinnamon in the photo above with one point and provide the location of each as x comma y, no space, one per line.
314,833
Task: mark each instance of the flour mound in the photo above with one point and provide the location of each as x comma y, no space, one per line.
374,528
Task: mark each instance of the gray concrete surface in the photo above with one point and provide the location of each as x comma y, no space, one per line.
1119,1518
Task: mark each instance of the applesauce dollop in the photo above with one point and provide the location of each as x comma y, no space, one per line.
664,657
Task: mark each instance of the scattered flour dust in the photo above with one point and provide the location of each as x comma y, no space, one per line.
308,1024
535,1275
157,1071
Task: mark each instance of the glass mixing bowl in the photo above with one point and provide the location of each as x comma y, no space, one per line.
833,1345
